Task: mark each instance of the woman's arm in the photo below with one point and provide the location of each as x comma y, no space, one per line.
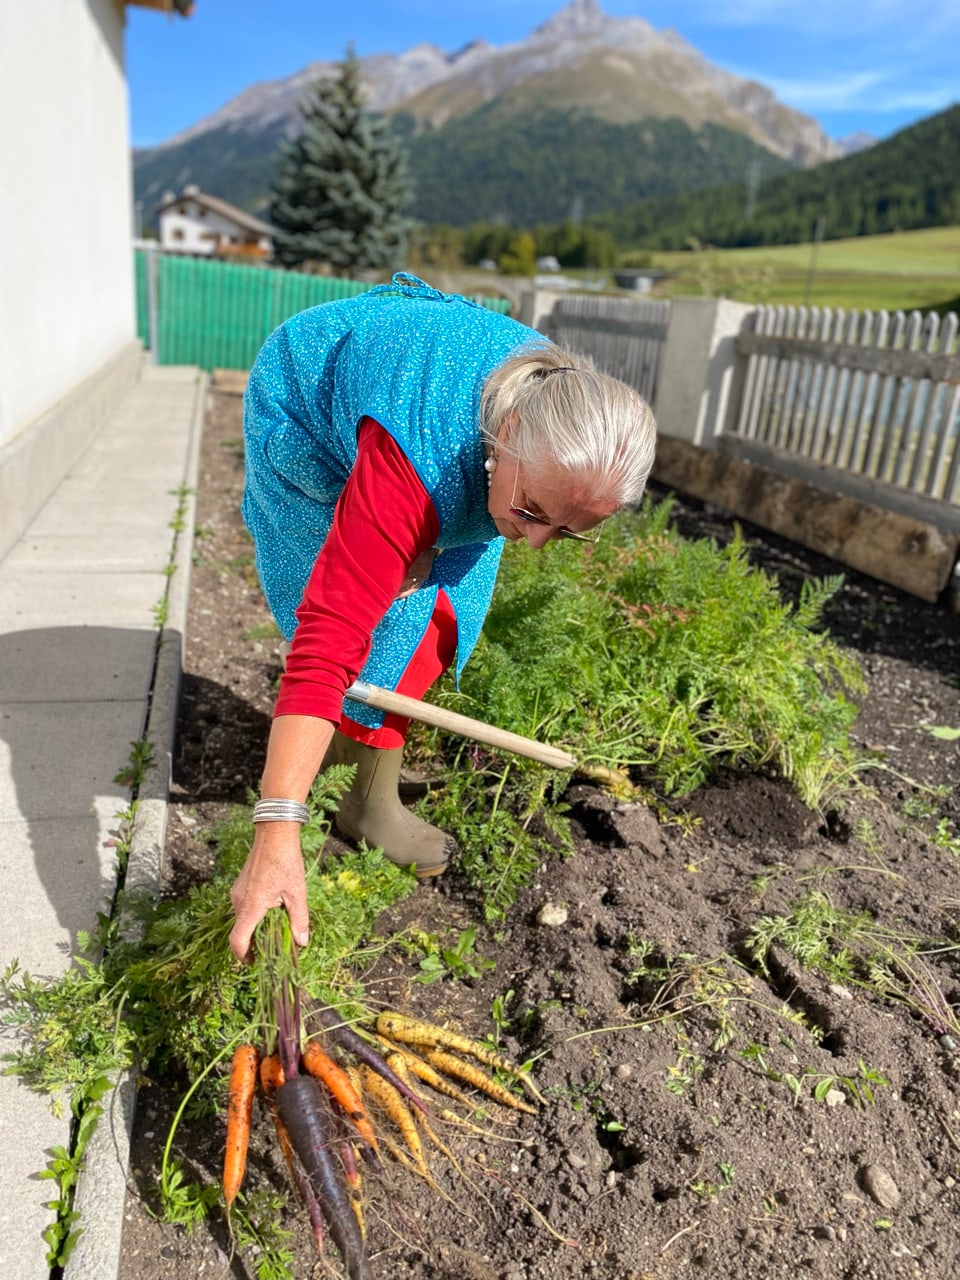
359,571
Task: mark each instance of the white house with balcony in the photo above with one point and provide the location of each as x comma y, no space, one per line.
207,226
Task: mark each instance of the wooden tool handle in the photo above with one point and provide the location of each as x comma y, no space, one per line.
385,700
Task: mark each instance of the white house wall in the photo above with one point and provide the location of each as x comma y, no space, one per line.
66,275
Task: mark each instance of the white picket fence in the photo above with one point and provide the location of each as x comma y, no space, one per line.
869,393
873,396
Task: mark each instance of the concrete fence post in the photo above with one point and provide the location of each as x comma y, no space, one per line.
701,376
153,323
536,307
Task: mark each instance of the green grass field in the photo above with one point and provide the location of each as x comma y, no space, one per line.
905,270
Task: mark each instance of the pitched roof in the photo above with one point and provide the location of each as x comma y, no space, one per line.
225,209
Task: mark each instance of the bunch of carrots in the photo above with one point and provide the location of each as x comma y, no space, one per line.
317,1087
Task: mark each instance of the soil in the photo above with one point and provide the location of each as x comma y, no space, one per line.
665,1151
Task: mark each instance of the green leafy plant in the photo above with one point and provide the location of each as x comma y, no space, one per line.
730,674
263,631
164,993
62,1234
141,761
944,837
182,494
707,1189
459,960
946,733
859,1089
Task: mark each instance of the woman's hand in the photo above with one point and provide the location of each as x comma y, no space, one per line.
272,876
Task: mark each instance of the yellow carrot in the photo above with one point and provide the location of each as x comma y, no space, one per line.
469,1074
397,1062
397,1026
429,1075
394,1107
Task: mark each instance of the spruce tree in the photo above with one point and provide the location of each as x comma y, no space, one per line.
343,185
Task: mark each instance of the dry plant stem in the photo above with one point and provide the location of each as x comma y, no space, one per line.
401,1157
451,1117
573,1244
677,1234
948,1131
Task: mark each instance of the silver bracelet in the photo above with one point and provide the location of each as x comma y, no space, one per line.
280,811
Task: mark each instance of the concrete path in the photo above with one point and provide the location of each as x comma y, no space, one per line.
82,676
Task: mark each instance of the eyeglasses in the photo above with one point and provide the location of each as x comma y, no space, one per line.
529,518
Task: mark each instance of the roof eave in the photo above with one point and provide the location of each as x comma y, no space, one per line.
183,7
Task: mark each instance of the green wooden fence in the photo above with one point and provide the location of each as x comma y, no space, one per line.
217,315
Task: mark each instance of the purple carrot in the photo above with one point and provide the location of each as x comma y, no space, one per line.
300,1180
288,1031
309,1124
348,1039
349,1158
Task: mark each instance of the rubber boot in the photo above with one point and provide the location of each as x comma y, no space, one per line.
371,810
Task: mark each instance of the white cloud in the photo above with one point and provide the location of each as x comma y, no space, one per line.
832,92
874,91
842,17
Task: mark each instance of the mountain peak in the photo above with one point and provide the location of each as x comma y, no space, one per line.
579,17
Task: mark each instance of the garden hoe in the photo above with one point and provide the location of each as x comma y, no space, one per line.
413,709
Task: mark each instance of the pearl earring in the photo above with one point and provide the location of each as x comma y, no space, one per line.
490,467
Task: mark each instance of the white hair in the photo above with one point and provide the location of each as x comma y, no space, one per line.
566,415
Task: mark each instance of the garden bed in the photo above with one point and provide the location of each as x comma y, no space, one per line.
694,1124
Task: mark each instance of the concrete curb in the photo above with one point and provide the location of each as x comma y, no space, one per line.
102,1185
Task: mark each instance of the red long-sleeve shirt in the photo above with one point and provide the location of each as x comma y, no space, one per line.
383,521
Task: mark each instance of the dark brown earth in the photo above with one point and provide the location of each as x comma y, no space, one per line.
662,1152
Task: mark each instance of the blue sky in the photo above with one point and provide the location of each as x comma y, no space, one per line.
875,65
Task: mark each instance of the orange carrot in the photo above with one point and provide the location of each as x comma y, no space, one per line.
271,1075
335,1079
243,1080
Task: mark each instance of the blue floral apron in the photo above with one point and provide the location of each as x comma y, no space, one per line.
415,360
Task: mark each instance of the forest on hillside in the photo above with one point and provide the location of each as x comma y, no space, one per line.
656,185
909,181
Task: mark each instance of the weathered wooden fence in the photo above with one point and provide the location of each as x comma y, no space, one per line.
624,336
869,393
